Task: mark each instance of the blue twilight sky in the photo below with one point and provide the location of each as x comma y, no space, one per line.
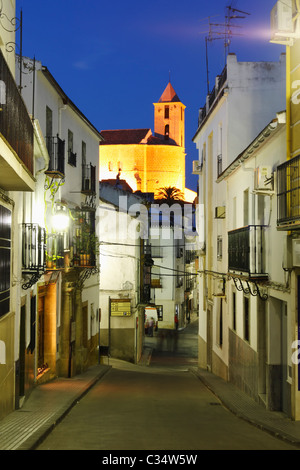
113,58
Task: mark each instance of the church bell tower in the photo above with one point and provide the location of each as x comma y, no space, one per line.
169,119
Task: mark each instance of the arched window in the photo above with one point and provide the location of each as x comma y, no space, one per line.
167,131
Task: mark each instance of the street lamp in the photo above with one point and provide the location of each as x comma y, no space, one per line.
61,218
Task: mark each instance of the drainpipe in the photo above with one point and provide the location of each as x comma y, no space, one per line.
42,146
288,102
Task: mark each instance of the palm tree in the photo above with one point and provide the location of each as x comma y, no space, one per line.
170,194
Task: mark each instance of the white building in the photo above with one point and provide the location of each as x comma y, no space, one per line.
173,275
245,99
121,270
67,190
17,183
258,299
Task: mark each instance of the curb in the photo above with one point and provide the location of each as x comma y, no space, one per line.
244,411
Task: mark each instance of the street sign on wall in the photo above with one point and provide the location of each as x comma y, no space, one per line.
120,307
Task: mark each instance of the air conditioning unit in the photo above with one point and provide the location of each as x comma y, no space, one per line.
263,179
282,25
197,167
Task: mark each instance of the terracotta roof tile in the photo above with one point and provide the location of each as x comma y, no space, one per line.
169,95
125,136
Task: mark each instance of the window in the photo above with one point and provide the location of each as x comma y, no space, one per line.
246,319
49,133
220,151
71,154
167,112
219,247
49,124
219,164
159,312
246,207
83,153
5,250
234,213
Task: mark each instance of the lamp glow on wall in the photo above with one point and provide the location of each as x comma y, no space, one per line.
60,218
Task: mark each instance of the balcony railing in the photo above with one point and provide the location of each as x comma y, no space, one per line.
56,150
88,179
33,249
246,251
288,194
15,123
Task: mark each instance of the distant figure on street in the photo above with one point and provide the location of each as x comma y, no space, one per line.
176,322
150,327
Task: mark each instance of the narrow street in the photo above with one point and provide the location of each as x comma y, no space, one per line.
158,406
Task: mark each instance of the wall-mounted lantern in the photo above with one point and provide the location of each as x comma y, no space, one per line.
60,219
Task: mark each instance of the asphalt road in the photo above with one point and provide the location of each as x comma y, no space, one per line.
158,407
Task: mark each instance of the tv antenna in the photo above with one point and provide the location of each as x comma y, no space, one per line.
224,31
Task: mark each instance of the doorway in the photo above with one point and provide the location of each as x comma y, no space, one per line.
209,340
22,352
278,356
262,350
41,329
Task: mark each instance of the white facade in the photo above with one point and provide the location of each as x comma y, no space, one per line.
120,272
246,98
68,179
172,246
168,275
17,183
260,315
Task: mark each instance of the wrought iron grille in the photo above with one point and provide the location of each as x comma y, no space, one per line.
57,247
83,243
15,123
76,247
72,158
145,288
288,191
33,248
56,150
246,250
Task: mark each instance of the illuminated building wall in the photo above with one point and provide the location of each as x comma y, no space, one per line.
293,87
145,160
